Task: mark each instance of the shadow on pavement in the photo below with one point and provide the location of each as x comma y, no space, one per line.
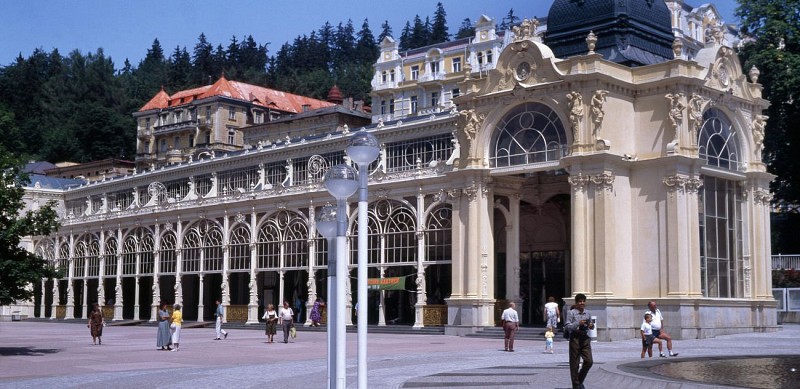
26,351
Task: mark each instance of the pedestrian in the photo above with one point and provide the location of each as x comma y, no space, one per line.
316,312
175,326
163,337
553,313
510,322
271,318
298,306
286,320
548,340
648,338
578,323
658,327
221,334
96,324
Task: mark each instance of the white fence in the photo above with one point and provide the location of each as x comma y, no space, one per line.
785,262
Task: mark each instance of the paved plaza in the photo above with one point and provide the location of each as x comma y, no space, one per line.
37,354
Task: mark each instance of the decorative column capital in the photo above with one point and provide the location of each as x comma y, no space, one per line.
675,183
604,181
578,181
693,184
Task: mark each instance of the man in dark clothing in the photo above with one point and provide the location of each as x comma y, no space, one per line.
579,322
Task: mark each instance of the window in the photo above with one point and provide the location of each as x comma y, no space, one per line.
231,113
163,147
231,136
413,104
177,142
434,99
391,106
456,92
721,204
258,117
191,141
391,75
147,123
383,77
488,56
457,65
529,133
383,107
146,147
415,72
208,137
480,58
434,67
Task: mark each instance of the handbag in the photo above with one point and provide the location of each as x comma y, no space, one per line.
293,332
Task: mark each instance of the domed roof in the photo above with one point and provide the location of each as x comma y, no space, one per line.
335,95
629,32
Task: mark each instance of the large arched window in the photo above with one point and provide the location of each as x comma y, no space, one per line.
529,133
283,242
722,256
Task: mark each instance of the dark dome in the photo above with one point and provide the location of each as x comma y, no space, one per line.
629,32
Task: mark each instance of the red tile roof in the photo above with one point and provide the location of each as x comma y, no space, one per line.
254,94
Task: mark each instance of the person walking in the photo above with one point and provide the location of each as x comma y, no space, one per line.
271,318
648,338
221,334
553,314
96,324
548,340
578,323
658,327
177,320
163,336
510,322
286,320
316,312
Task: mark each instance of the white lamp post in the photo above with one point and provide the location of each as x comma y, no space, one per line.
363,150
341,183
326,225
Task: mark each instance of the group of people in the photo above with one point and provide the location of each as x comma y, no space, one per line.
169,327
578,323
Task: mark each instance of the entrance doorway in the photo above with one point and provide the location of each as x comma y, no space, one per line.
542,274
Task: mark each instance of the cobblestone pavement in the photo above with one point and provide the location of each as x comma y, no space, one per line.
61,355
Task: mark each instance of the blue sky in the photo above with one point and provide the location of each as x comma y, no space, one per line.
126,29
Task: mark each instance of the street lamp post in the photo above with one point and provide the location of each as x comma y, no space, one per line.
326,225
363,150
341,184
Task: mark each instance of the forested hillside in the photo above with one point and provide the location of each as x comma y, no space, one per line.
77,106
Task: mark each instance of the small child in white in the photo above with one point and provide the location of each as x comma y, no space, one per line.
548,340
647,337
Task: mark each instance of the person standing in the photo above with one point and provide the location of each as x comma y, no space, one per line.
96,324
548,340
658,327
578,323
163,335
510,322
177,320
218,326
316,312
271,317
286,320
552,312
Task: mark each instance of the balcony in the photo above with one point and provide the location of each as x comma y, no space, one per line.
179,126
431,77
205,123
145,134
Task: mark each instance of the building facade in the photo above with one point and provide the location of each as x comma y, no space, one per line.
541,176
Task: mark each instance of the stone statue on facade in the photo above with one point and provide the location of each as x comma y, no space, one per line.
759,124
598,99
575,107
676,107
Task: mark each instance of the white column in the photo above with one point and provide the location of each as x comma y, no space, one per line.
382,302
101,274
156,270
512,252
118,285
252,305
136,313
200,297
70,314
41,304
312,255
85,298
178,262
419,306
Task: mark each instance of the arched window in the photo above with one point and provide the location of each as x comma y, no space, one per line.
717,141
283,242
167,253
239,248
529,133
721,219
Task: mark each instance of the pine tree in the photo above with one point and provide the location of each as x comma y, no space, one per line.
203,62
439,32
509,21
467,30
386,30
367,50
405,38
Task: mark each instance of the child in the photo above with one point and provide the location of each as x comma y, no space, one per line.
648,338
548,336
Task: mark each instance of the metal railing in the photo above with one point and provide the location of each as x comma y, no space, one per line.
780,261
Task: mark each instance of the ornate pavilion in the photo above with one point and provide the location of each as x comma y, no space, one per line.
611,155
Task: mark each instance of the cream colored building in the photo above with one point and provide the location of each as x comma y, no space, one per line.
542,176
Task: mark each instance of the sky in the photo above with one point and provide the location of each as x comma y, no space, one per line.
126,29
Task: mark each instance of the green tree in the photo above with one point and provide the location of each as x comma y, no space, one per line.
466,30
439,31
509,21
20,268
386,30
772,44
